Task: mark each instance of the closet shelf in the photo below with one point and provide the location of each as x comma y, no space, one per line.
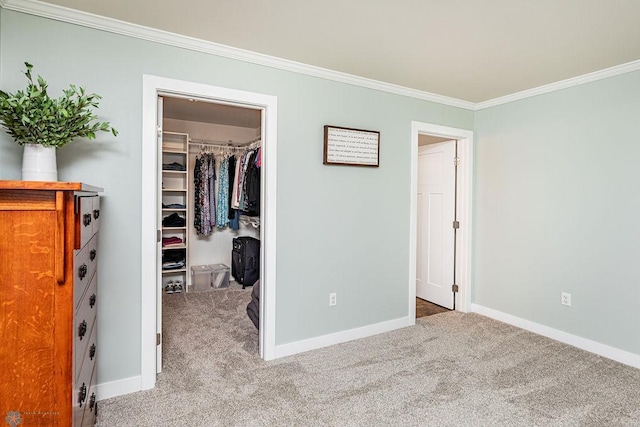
250,220
174,201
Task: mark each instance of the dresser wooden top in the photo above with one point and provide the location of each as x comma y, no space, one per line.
50,186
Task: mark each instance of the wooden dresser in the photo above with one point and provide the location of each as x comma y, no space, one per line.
48,291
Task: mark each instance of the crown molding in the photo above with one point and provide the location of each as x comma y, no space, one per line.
85,19
64,14
562,84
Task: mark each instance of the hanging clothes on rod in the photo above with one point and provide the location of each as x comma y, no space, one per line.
222,212
246,188
204,175
238,184
252,185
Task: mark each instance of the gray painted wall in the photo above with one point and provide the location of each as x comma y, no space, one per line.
556,208
340,229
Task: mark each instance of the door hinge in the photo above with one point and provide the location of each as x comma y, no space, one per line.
456,161
158,236
456,224
454,288
159,131
158,339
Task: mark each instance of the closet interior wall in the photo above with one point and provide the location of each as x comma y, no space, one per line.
215,248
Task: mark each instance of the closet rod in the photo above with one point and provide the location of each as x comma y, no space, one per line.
224,144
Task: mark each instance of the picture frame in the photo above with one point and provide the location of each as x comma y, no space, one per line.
351,147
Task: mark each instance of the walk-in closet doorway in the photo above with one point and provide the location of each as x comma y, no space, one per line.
236,112
205,205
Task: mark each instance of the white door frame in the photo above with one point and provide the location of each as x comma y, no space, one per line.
152,87
464,198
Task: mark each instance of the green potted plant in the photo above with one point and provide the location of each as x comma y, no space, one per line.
42,124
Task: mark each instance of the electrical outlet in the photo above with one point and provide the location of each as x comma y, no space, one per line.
565,299
332,299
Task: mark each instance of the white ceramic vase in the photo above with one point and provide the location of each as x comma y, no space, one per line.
39,163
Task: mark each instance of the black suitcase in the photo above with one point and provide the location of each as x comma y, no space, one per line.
253,308
245,260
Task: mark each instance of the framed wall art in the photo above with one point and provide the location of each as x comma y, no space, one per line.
351,147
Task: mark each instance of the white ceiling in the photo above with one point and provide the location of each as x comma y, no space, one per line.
430,139
465,49
208,112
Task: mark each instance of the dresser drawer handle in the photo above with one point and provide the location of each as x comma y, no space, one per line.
92,401
86,219
82,394
93,254
82,330
96,213
92,351
92,300
82,271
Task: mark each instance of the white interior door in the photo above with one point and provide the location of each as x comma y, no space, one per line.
435,250
159,292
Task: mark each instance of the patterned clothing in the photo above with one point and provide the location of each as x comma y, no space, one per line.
204,194
212,190
238,190
222,213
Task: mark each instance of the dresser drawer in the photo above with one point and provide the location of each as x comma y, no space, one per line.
95,213
90,351
89,417
84,267
81,391
89,208
83,322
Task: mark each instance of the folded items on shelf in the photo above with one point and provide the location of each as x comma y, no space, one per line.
175,166
173,255
174,206
173,259
171,241
173,265
173,220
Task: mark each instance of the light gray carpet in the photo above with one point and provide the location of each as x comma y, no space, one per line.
450,369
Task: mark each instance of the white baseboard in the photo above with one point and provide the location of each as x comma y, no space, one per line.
118,388
296,347
600,349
